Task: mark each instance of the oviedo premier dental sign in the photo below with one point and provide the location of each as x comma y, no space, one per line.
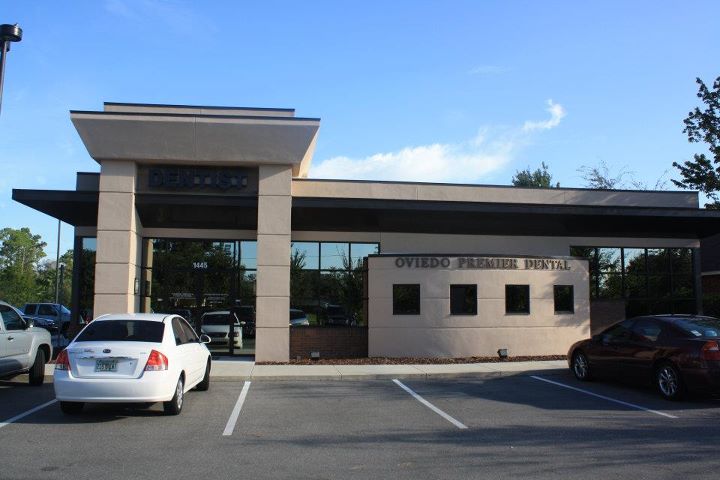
483,263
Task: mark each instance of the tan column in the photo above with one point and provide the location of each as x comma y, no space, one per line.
273,264
118,232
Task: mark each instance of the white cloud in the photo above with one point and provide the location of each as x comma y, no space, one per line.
463,162
557,112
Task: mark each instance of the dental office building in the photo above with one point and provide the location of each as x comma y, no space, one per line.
200,209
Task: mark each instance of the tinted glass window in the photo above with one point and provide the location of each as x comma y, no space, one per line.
406,299
11,319
617,333
295,314
647,330
463,299
122,331
217,319
189,332
306,255
47,310
334,255
180,334
564,298
30,309
707,327
517,298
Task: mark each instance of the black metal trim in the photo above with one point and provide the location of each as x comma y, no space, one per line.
204,107
192,115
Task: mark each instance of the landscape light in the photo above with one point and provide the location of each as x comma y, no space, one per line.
503,353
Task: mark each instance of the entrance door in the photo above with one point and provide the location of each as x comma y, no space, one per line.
208,284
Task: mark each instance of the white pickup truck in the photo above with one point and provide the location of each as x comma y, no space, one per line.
23,347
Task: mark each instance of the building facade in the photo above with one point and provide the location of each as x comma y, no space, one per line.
198,210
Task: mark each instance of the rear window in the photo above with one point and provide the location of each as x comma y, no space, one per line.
122,331
706,327
295,314
215,319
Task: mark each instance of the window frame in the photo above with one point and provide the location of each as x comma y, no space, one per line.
419,299
475,299
572,299
507,297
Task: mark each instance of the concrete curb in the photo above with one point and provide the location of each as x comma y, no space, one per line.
228,371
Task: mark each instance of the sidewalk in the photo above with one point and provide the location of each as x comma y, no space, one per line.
241,370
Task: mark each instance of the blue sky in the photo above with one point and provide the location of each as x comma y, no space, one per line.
462,91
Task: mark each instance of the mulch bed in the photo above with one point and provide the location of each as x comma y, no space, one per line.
411,360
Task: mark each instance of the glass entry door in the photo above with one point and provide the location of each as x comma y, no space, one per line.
210,283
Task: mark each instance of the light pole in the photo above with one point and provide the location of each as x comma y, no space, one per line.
8,35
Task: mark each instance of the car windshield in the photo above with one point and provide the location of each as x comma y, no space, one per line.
216,319
64,310
122,331
706,327
295,314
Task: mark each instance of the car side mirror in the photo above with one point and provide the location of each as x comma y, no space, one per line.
29,322
204,338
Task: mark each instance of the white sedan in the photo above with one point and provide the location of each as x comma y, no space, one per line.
132,358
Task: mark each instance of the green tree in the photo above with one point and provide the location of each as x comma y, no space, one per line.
20,252
540,178
45,280
703,172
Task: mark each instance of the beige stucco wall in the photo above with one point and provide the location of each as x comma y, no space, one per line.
436,333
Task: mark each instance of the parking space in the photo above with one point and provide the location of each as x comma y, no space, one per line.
516,426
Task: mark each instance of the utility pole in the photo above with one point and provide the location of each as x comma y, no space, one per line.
8,35
57,267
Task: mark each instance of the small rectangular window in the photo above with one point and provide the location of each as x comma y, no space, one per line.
463,299
517,299
564,299
406,299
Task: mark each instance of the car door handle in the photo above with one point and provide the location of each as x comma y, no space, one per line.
10,339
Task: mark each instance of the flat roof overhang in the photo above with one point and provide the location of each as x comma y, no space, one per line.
77,208
473,218
196,139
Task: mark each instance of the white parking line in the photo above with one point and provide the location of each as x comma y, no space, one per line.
236,411
25,414
432,407
631,405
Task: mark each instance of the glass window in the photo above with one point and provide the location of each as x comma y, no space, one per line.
463,299
681,260
609,260
248,254
564,298
179,332
619,332
123,330
657,260
30,309
634,260
406,299
334,256
305,255
609,285
358,251
189,332
647,330
47,310
517,299
705,327
11,319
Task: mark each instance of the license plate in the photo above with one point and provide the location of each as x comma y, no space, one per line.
106,365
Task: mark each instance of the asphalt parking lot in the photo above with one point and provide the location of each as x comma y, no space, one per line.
450,428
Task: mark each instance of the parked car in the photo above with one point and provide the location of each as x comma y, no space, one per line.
334,315
132,358
215,325
52,316
675,353
298,318
246,315
24,348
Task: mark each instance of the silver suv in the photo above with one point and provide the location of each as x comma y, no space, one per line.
24,348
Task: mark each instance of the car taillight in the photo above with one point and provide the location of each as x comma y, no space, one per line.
711,351
62,362
156,361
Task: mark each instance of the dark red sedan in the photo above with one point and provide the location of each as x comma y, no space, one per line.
675,353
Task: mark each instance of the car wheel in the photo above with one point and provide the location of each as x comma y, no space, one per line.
71,408
668,381
37,371
174,406
204,386
581,367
